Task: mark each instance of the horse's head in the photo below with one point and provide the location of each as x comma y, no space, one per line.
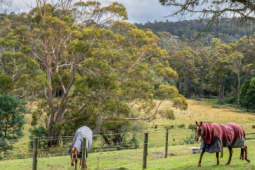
199,130
74,155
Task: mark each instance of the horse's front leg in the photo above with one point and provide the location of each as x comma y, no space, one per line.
230,155
75,164
80,163
201,155
217,156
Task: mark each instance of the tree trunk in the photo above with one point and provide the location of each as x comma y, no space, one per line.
219,94
223,97
51,104
238,90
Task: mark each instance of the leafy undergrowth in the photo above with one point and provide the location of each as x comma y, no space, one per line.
180,157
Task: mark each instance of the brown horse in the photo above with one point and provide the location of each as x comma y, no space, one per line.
74,158
214,137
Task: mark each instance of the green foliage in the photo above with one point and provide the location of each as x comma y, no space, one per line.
180,102
168,113
167,92
181,126
192,127
215,106
82,70
190,139
11,119
188,29
231,100
5,82
39,132
247,94
132,144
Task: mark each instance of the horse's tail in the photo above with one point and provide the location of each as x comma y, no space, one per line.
242,154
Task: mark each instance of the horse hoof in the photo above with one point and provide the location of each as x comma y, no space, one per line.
199,165
227,163
248,160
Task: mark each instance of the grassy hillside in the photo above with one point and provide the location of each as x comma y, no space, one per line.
180,157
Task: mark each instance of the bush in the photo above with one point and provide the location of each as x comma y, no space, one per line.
181,126
192,127
215,106
168,113
231,100
188,140
169,127
39,132
180,102
133,143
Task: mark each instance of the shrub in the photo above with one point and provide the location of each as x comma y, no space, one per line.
215,106
39,132
180,102
189,140
192,127
181,126
168,113
169,127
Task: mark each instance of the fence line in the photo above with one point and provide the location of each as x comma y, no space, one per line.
40,152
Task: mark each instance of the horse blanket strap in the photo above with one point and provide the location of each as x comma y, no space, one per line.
226,135
82,132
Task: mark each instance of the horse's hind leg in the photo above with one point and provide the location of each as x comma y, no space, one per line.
217,156
242,154
230,155
200,159
245,150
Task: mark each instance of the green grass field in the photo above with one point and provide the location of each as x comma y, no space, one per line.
132,159
179,156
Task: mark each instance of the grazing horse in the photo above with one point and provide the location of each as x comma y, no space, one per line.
215,136
76,147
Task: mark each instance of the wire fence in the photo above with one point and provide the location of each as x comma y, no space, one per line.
132,142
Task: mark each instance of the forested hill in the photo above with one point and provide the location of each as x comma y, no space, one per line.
188,30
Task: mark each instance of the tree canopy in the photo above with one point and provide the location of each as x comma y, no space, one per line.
11,120
82,64
241,11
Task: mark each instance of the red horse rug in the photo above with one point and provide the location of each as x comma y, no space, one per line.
217,136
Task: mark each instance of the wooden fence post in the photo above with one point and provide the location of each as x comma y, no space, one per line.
35,147
84,149
145,150
166,149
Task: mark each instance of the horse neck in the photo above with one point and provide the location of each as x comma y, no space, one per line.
205,126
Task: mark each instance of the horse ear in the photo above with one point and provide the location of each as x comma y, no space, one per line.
201,123
196,123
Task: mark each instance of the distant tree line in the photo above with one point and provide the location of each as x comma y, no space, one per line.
188,30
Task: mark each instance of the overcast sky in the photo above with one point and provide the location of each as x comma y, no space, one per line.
139,11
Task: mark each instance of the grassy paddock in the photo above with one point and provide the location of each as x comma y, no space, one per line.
180,157
132,159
